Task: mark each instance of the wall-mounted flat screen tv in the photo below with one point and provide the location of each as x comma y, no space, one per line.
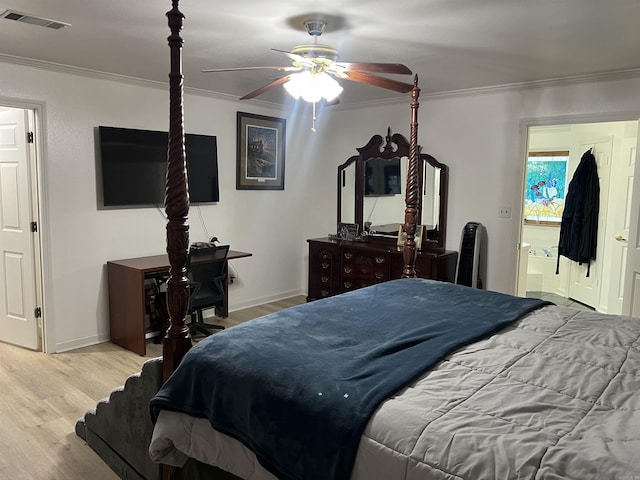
133,167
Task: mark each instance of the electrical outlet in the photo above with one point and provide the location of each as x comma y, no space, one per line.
504,211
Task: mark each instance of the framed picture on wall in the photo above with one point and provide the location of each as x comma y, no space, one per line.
260,152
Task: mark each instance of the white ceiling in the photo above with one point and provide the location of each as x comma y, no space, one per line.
450,44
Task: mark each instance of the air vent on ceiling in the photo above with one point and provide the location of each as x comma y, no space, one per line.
40,21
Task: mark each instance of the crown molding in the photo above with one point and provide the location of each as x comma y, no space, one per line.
96,74
535,84
510,87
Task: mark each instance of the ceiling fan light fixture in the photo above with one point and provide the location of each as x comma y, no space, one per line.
312,87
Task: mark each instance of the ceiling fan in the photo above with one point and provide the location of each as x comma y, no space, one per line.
314,69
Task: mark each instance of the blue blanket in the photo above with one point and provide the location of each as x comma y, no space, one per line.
298,386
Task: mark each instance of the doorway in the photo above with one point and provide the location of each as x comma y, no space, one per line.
20,266
613,145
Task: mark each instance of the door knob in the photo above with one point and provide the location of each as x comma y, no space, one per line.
620,238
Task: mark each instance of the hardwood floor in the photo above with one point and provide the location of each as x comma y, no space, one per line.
42,396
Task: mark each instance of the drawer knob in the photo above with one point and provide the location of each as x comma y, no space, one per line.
348,255
324,293
379,275
347,284
324,265
348,269
379,259
324,279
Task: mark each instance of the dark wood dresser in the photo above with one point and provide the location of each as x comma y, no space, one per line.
338,266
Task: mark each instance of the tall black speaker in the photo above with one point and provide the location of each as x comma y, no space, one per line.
467,270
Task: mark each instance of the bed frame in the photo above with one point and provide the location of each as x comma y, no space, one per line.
178,340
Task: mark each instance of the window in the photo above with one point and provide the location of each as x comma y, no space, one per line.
545,188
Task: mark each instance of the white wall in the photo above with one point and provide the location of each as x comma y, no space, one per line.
80,239
480,135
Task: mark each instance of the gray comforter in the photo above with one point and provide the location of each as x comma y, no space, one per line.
299,386
555,396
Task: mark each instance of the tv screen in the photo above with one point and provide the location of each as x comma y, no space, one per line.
134,167
382,177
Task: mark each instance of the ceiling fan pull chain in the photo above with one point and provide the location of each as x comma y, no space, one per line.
313,125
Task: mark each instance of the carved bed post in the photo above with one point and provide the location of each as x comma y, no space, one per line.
177,340
411,196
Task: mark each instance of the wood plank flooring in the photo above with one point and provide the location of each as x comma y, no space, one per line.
42,396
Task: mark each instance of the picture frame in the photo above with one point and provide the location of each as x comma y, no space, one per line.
402,236
261,146
347,231
546,186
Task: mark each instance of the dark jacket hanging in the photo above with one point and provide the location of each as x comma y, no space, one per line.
579,227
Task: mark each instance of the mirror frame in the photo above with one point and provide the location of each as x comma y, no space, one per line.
396,145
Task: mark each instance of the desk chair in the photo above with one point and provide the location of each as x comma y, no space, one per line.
206,268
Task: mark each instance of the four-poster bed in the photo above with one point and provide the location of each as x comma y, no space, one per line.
177,340
441,381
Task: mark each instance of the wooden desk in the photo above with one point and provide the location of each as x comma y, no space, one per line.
127,297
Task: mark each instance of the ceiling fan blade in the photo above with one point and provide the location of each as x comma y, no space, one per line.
396,68
236,69
277,82
330,103
296,58
362,77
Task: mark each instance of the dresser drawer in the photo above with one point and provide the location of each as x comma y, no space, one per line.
436,266
424,265
324,271
379,273
341,266
361,268
349,284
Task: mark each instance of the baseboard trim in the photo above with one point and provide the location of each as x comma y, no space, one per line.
260,301
81,342
104,337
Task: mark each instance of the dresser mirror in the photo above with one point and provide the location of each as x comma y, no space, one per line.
371,190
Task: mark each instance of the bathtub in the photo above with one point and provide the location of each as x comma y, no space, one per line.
541,271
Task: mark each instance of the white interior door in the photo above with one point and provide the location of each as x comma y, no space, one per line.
18,324
582,288
622,178
631,300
